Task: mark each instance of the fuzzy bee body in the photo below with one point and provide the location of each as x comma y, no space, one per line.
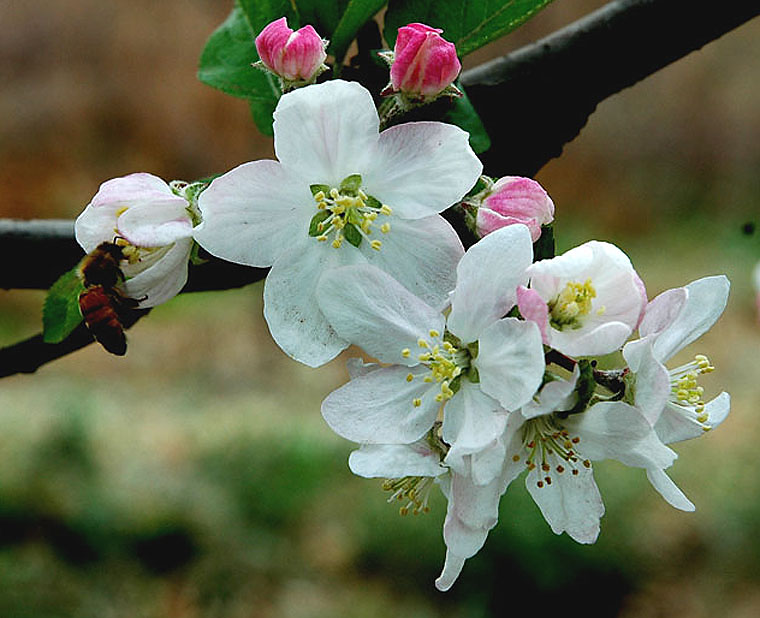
100,303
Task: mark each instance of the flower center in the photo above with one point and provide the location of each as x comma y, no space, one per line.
685,390
347,213
549,445
571,305
445,361
412,491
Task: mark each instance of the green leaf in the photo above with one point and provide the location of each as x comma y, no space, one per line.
314,229
61,314
463,114
469,24
352,235
356,14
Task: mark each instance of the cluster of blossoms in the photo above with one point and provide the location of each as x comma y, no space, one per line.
482,363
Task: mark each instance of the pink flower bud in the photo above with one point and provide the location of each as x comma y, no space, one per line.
514,199
424,63
294,56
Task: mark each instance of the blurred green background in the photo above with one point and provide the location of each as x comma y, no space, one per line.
195,477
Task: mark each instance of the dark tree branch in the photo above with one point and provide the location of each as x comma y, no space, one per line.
538,98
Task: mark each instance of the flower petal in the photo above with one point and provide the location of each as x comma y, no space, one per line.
395,461
378,408
652,378
669,490
487,280
156,223
555,396
452,567
162,280
677,423
366,306
421,255
254,213
510,361
290,305
326,132
533,308
422,168
705,302
571,503
662,310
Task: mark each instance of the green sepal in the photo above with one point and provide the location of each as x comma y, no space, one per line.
373,202
456,383
61,313
352,235
350,185
543,248
316,220
584,387
317,188
195,257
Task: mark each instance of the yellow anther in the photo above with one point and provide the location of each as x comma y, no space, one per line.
406,352
425,356
334,193
386,210
602,310
322,238
376,244
121,211
417,402
385,228
422,343
434,333
319,196
409,377
337,242
427,379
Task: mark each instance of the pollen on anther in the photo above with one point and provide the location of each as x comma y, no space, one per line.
417,402
409,377
385,228
434,333
515,458
406,352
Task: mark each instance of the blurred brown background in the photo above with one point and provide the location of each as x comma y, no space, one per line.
195,477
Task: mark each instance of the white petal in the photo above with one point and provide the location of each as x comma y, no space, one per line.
290,305
487,280
555,396
487,464
652,379
96,225
616,430
472,421
706,300
510,361
669,490
395,461
452,567
421,255
327,131
677,423
422,168
378,408
357,367
662,310
571,503
368,307
162,280
253,213
156,223
587,341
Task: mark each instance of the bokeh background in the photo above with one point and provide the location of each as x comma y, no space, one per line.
195,477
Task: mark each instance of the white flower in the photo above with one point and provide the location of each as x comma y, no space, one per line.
672,400
341,193
557,450
586,301
477,364
141,213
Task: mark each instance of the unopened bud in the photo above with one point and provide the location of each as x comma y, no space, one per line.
514,199
294,56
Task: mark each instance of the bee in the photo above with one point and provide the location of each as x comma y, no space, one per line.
101,304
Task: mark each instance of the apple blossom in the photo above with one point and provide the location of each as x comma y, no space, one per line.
153,224
510,200
296,57
586,301
341,193
474,366
424,64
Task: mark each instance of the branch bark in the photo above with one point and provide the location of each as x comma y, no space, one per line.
538,98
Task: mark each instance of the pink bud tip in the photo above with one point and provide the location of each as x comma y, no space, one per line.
514,199
424,63
534,309
294,56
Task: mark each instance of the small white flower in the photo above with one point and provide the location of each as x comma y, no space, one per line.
587,301
672,400
142,213
474,366
341,193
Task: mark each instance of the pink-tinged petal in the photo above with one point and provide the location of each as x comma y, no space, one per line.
662,311
704,304
96,225
395,461
616,430
669,490
677,423
422,168
424,63
254,213
326,132
271,41
290,306
570,503
510,362
303,55
138,186
643,291
472,421
378,408
163,279
366,306
487,279
514,199
422,255
533,308
155,223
